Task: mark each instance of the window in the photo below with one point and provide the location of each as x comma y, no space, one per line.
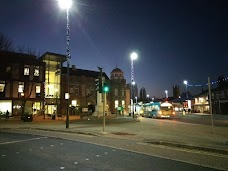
71,90
26,70
122,92
225,94
77,91
2,86
8,69
36,71
116,92
123,103
116,103
38,90
21,87
74,103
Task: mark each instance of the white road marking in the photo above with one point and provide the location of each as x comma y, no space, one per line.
3,155
75,162
17,152
62,168
52,145
113,150
87,159
106,152
98,155
18,141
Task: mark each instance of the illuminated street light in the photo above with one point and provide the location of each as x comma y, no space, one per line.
133,57
186,84
166,94
66,5
148,97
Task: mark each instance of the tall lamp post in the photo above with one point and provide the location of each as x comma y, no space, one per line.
66,5
166,94
133,56
186,86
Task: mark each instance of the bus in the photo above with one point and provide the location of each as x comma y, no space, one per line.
158,110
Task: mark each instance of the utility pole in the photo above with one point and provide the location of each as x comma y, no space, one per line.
210,104
103,96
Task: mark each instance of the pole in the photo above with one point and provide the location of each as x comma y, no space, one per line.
68,65
104,103
103,96
210,104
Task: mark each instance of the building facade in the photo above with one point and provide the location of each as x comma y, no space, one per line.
83,93
21,84
52,88
119,93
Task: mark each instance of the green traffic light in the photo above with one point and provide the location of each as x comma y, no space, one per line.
106,89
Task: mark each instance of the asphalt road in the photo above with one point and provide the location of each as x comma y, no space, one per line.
218,120
29,152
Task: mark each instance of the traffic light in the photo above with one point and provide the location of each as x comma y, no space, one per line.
105,87
98,85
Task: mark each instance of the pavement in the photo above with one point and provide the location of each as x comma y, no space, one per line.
144,135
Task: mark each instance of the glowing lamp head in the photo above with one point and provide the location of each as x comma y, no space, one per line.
134,55
65,4
185,82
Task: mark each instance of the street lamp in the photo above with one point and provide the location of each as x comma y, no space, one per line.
186,84
133,56
166,94
66,5
148,97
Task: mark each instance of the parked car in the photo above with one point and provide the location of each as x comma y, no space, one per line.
27,117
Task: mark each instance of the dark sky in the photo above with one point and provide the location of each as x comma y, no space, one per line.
175,39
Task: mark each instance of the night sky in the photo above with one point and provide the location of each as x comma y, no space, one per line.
176,39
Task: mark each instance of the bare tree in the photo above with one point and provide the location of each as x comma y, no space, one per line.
6,43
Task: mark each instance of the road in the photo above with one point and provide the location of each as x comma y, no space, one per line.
30,152
203,119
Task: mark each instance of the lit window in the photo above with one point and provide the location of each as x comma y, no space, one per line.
26,70
37,88
116,103
123,103
2,86
36,71
21,87
74,102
